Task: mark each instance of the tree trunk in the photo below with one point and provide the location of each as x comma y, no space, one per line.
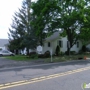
68,48
27,51
68,51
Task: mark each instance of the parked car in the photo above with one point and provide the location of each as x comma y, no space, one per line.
6,53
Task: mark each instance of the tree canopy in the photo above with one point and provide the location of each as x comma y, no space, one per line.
72,17
48,16
21,30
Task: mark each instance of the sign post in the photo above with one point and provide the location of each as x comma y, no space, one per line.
51,54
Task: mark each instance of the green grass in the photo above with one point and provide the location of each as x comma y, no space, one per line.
19,58
46,60
67,58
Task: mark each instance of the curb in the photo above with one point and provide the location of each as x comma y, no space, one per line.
38,65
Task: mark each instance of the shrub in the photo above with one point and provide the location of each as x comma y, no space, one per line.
72,52
57,50
87,49
61,53
80,52
33,55
84,48
66,52
46,54
40,55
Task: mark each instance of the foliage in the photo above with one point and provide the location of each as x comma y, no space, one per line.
48,16
45,55
33,55
44,12
69,16
22,35
83,48
57,50
85,31
71,20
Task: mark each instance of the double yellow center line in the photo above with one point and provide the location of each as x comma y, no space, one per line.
14,84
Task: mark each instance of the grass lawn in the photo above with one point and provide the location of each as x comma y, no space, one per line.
19,58
46,60
66,58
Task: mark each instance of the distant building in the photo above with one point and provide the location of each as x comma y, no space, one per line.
3,44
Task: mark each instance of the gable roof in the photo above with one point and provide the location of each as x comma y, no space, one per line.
3,42
53,36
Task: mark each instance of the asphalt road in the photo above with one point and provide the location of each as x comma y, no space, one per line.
52,76
68,82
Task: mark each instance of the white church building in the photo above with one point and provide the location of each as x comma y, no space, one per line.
51,43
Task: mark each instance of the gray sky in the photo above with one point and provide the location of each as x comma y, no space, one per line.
7,9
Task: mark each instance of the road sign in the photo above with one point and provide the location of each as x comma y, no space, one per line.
39,48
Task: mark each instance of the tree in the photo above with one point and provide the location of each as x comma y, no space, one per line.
29,39
85,31
71,20
15,34
45,11
13,45
70,16
22,28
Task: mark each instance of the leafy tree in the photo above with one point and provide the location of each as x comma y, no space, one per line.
15,34
85,31
72,17
30,39
45,11
71,20
21,28
13,45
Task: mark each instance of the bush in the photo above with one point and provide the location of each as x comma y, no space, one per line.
33,55
61,53
57,50
47,54
66,52
88,49
84,48
40,55
72,52
80,52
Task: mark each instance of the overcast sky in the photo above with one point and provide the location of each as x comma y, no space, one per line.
7,9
